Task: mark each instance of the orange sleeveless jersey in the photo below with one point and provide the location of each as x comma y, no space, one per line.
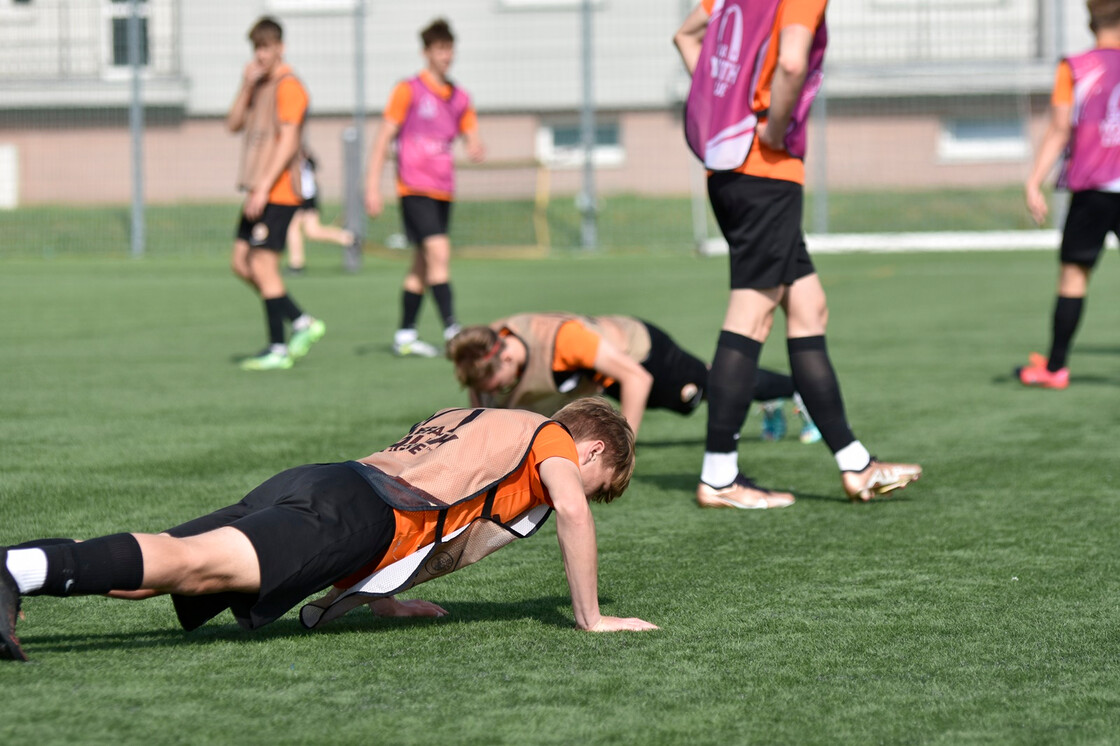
291,107
519,491
762,161
399,102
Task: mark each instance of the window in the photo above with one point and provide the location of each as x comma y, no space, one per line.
560,145
978,140
312,7
118,14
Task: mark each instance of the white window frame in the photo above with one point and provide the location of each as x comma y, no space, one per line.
995,149
312,7
564,157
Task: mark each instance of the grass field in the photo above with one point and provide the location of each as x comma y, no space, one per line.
625,223
980,606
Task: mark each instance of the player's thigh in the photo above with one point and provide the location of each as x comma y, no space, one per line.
806,307
1090,217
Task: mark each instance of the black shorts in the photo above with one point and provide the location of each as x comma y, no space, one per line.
761,220
1091,216
424,217
270,230
310,526
310,203
672,369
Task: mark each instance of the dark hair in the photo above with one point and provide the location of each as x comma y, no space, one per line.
267,30
1103,14
438,30
593,418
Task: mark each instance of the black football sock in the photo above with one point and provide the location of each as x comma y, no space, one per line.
274,316
816,382
289,308
97,566
442,295
410,308
770,385
1067,315
730,390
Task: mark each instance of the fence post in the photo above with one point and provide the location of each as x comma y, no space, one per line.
354,201
136,130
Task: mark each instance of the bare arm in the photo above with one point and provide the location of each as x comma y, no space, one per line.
634,381
252,75
377,157
690,37
1053,143
475,149
286,147
794,45
575,529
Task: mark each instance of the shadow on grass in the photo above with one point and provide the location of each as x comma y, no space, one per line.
1089,380
549,610
1096,350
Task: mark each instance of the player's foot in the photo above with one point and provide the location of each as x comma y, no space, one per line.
879,478
1035,373
450,331
407,342
352,255
271,358
773,419
302,339
290,270
742,493
809,432
9,612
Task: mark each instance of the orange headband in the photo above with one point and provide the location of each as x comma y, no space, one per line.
493,350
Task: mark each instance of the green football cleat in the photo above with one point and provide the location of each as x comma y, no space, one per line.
301,341
268,360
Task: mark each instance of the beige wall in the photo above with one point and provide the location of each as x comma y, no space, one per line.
195,161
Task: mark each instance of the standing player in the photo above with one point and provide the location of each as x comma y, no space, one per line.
1085,125
542,361
306,221
756,67
270,108
424,116
458,486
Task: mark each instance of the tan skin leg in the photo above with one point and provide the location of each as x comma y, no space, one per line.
431,265
296,256
1073,280
219,560
239,261
265,267
806,308
316,231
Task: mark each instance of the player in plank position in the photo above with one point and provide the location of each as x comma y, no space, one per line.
542,361
459,485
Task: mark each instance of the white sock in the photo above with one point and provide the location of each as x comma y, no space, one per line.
28,567
302,323
278,349
720,469
853,457
405,336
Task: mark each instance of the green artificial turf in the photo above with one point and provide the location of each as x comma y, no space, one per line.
979,606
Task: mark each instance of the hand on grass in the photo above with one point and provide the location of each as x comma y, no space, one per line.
620,624
413,607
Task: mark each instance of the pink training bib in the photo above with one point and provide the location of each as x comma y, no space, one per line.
424,161
1092,158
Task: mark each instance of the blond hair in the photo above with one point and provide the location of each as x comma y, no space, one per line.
593,418
475,352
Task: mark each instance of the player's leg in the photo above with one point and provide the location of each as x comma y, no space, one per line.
806,321
1091,215
753,215
239,260
297,259
418,216
680,379
437,251
314,229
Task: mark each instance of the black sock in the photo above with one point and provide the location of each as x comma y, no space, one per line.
770,385
410,308
274,317
97,566
40,543
442,294
816,382
730,390
1067,314
289,308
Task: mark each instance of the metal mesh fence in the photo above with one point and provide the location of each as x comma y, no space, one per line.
926,122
